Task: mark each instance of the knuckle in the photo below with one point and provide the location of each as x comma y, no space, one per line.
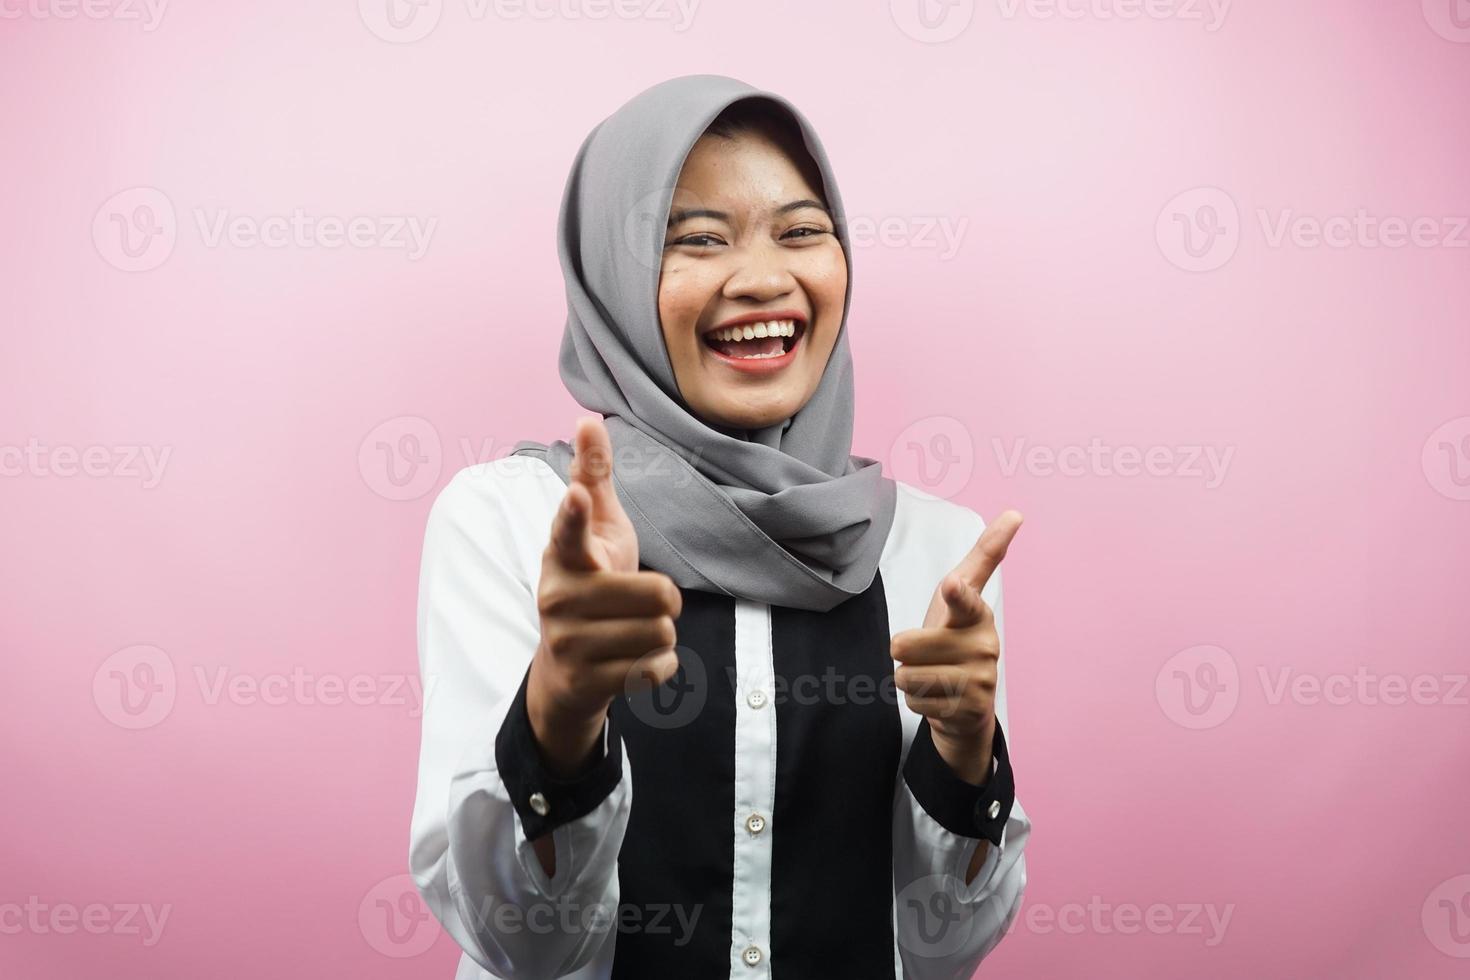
553,599
557,641
673,598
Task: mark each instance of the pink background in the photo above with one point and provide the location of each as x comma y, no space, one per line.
1150,615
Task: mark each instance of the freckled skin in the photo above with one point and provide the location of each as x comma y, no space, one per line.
713,270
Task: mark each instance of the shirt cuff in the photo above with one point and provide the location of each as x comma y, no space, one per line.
957,806
542,800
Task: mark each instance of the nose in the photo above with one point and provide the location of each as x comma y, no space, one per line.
762,275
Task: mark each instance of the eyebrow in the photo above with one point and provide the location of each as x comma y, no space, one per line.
677,214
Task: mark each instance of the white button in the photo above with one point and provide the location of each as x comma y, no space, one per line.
539,804
755,823
751,956
994,810
757,699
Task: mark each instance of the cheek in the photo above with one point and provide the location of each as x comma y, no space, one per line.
826,278
681,298
825,281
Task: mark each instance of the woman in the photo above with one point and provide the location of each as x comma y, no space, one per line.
667,737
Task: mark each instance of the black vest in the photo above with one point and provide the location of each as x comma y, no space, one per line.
836,768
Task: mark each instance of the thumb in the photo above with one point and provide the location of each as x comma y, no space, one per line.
592,467
989,550
571,531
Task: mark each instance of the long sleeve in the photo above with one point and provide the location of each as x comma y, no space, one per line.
946,927
481,785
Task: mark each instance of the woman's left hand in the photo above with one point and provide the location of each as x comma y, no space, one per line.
948,668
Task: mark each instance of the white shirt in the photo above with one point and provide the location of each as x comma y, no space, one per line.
478,627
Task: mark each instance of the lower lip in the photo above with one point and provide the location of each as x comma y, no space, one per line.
758,365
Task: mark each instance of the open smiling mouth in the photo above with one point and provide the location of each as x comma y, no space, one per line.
769,340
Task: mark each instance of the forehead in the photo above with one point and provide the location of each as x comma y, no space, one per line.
747,171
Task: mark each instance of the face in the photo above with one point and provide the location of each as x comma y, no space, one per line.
749,242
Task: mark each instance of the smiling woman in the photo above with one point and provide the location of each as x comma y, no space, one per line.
668,725
753,280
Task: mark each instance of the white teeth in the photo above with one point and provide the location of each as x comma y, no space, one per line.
749,331
758,357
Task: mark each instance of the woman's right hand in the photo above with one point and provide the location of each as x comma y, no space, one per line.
602,620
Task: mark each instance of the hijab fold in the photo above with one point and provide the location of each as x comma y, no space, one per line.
782,514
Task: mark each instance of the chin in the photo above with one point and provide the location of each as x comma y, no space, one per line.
743,418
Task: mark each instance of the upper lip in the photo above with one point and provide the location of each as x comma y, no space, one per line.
760,316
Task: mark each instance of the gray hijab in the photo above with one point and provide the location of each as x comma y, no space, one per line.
783,515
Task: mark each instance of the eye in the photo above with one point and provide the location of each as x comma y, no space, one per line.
806,231
701,239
